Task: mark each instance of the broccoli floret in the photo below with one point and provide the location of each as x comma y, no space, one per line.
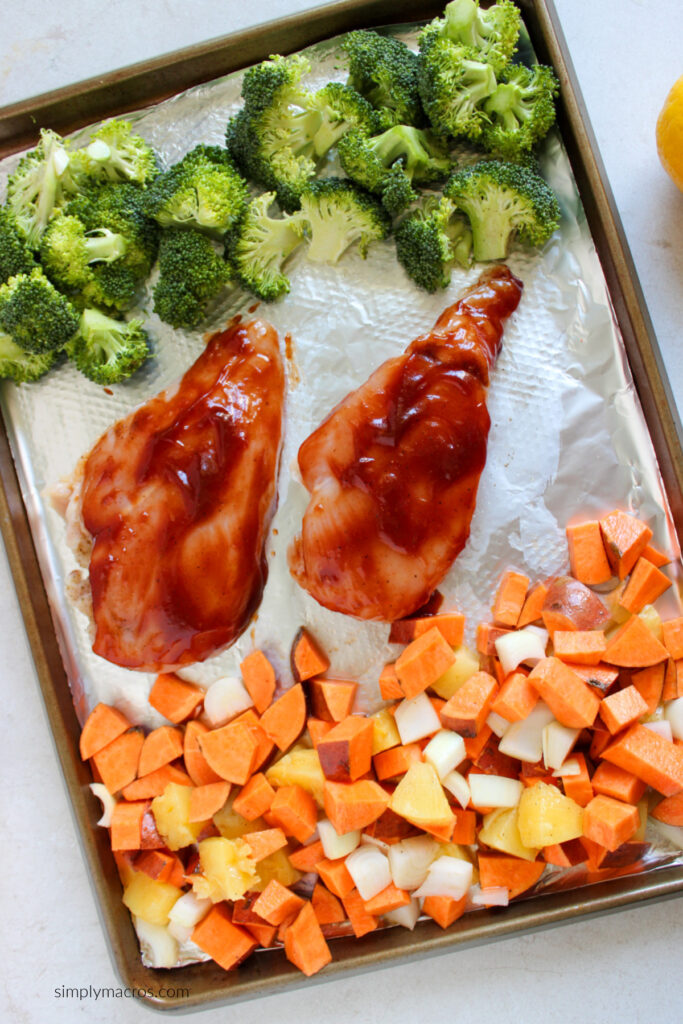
493,32
15,254
116,153
503,200
191,273
430,240
384,70
22,366
336,213
454,83
67,251
388,164
106,350
35,188
258,247
203,191
283,130
521,110
114,210
34,314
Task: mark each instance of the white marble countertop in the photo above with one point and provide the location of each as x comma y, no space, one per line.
627,54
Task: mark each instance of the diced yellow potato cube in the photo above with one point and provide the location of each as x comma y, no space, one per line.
420,798
232,825
465,665
653,621
299,767
149,899
500,831
227,869
639,834
275,866
384,732
617,614
546,817
171,813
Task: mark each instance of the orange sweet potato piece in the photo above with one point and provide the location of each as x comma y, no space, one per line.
510,598
571,701
223,941
387,900
117,763
464,828
649,683
634,646
205,801
443,909
656,556
514,874
673,680
609,822
670,810
318,729
307,658
533,606
264,745
231,751
103,725
516,697
600,677
625,539
353,805
126,824
580,646
389,686
423,661
587,556
327,907
600,740
294,811
285,719
361,921
672,631
150,838
645,585
305,944
579,787
389,764
255,798
336,877
162,866
650,757
569,604
346,751
565,855
469,706
475,744
451,625
175,699
622,708
487,634
259,679
610,780
265,842
154,784
196,764
306,858
332,699
161,746
276,903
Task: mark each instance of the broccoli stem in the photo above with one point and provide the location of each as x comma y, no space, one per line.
491,231
102,332
104,246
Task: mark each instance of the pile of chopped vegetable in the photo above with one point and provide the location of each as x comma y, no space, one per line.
266,813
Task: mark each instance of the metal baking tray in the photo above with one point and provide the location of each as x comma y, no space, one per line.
149,82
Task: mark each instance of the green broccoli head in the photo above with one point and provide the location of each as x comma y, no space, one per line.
493,32
430,240
335,213
384,70
105,350
521,110
258,247
341,109
503,200
36,187
116,153
15,255
191,273
34,314
204,191
67,251
454,83
21,366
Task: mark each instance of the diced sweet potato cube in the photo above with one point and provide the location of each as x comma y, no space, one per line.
332,699
223,941
259,679
571,701
622,708
346,751
634,646
625,539
672,631
587,556
650,757
580,646
294,811
175,699
307,658
609,822
118,762
610,780
422,662
510,598
102,726
305,944
645,585
468,708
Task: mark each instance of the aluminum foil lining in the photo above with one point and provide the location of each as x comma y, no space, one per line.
568,437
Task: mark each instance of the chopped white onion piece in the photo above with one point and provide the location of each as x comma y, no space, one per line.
156,943
98,150
447,876
99,790
445,751
189,909
366,840
458,786
663,727
673,712
494,896
334,845
369,869
520,646
541,632
570,767
497,724
182,933
494,790
557,740
674,833
409,861
405,916
416,718
524,740
224,699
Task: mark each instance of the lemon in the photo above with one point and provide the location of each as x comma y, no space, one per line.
670,134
